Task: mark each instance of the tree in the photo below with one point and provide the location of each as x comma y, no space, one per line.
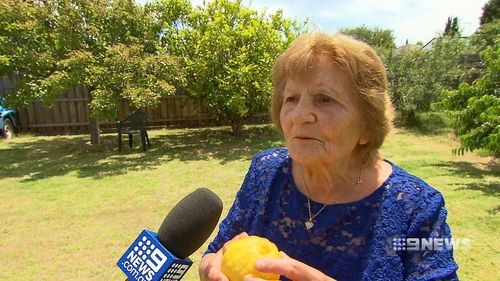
108,46
376,37
491,11
382,40
417,76
406,76
475,108
489,29
227,51
452,28
486,35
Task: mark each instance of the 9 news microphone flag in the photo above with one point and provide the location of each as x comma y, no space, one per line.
147,260
164,256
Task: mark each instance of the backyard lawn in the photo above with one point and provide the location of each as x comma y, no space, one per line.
69,210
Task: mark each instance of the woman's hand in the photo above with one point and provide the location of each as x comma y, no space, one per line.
290,268
210,265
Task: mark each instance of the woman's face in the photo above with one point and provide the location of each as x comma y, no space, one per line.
320,117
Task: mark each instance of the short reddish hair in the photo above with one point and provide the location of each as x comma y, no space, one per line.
361,64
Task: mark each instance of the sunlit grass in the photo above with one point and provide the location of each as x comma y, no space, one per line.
69,209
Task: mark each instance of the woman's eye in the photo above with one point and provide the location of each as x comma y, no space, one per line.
326,99
291,99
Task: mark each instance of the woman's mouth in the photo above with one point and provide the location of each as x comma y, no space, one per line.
304,138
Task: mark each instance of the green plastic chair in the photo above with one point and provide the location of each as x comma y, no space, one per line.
135,123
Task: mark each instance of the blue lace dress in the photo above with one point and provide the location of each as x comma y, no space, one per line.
351,241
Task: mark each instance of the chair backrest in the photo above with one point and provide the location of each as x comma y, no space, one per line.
137,120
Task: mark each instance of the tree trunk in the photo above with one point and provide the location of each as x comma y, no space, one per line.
409,118
95,137
236,127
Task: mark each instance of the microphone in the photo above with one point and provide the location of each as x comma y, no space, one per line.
163,256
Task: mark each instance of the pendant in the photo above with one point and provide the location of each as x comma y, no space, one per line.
309,224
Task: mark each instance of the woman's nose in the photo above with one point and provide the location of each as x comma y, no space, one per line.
304,111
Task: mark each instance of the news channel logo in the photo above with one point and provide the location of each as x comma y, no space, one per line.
147,260
412,244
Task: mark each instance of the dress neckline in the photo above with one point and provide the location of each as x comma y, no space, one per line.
287,170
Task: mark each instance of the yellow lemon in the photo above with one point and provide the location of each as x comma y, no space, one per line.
241,254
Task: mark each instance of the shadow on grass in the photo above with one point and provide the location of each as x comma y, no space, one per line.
40,158
494,210
467,169
470,171
426,124
205,144
489,189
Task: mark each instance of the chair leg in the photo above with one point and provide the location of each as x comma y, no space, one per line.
147,138
130,140
119,142
143,140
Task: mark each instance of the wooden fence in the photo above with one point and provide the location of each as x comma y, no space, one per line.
70,113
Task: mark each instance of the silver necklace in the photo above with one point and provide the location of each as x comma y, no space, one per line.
310,222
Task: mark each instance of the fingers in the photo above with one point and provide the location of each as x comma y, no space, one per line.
241,235
284,266
250,277
216,275
290,268
284,255
212,268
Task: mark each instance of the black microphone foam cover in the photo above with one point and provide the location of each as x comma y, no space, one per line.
190,222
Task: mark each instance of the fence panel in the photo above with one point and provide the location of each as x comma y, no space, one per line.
70,112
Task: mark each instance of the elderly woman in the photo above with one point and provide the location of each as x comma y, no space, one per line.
332,205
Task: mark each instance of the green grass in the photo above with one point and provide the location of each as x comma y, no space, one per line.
70,209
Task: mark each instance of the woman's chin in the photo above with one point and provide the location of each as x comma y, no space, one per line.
306,157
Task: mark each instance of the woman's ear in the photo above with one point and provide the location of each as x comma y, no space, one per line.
364,138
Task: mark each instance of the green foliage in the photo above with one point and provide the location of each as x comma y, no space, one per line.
475,107
452,28
430,123
130,73
491,11
382,40
417,76
109,46
486,35
227,51
376,37
170,19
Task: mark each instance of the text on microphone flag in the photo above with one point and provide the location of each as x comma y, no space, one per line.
148,260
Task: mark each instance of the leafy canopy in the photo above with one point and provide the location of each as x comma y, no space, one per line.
452,28
108,46
382,40
227,51
475,107
375,37
417,76
491,11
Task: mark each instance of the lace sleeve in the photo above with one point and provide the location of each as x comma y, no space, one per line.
433,260
238,217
